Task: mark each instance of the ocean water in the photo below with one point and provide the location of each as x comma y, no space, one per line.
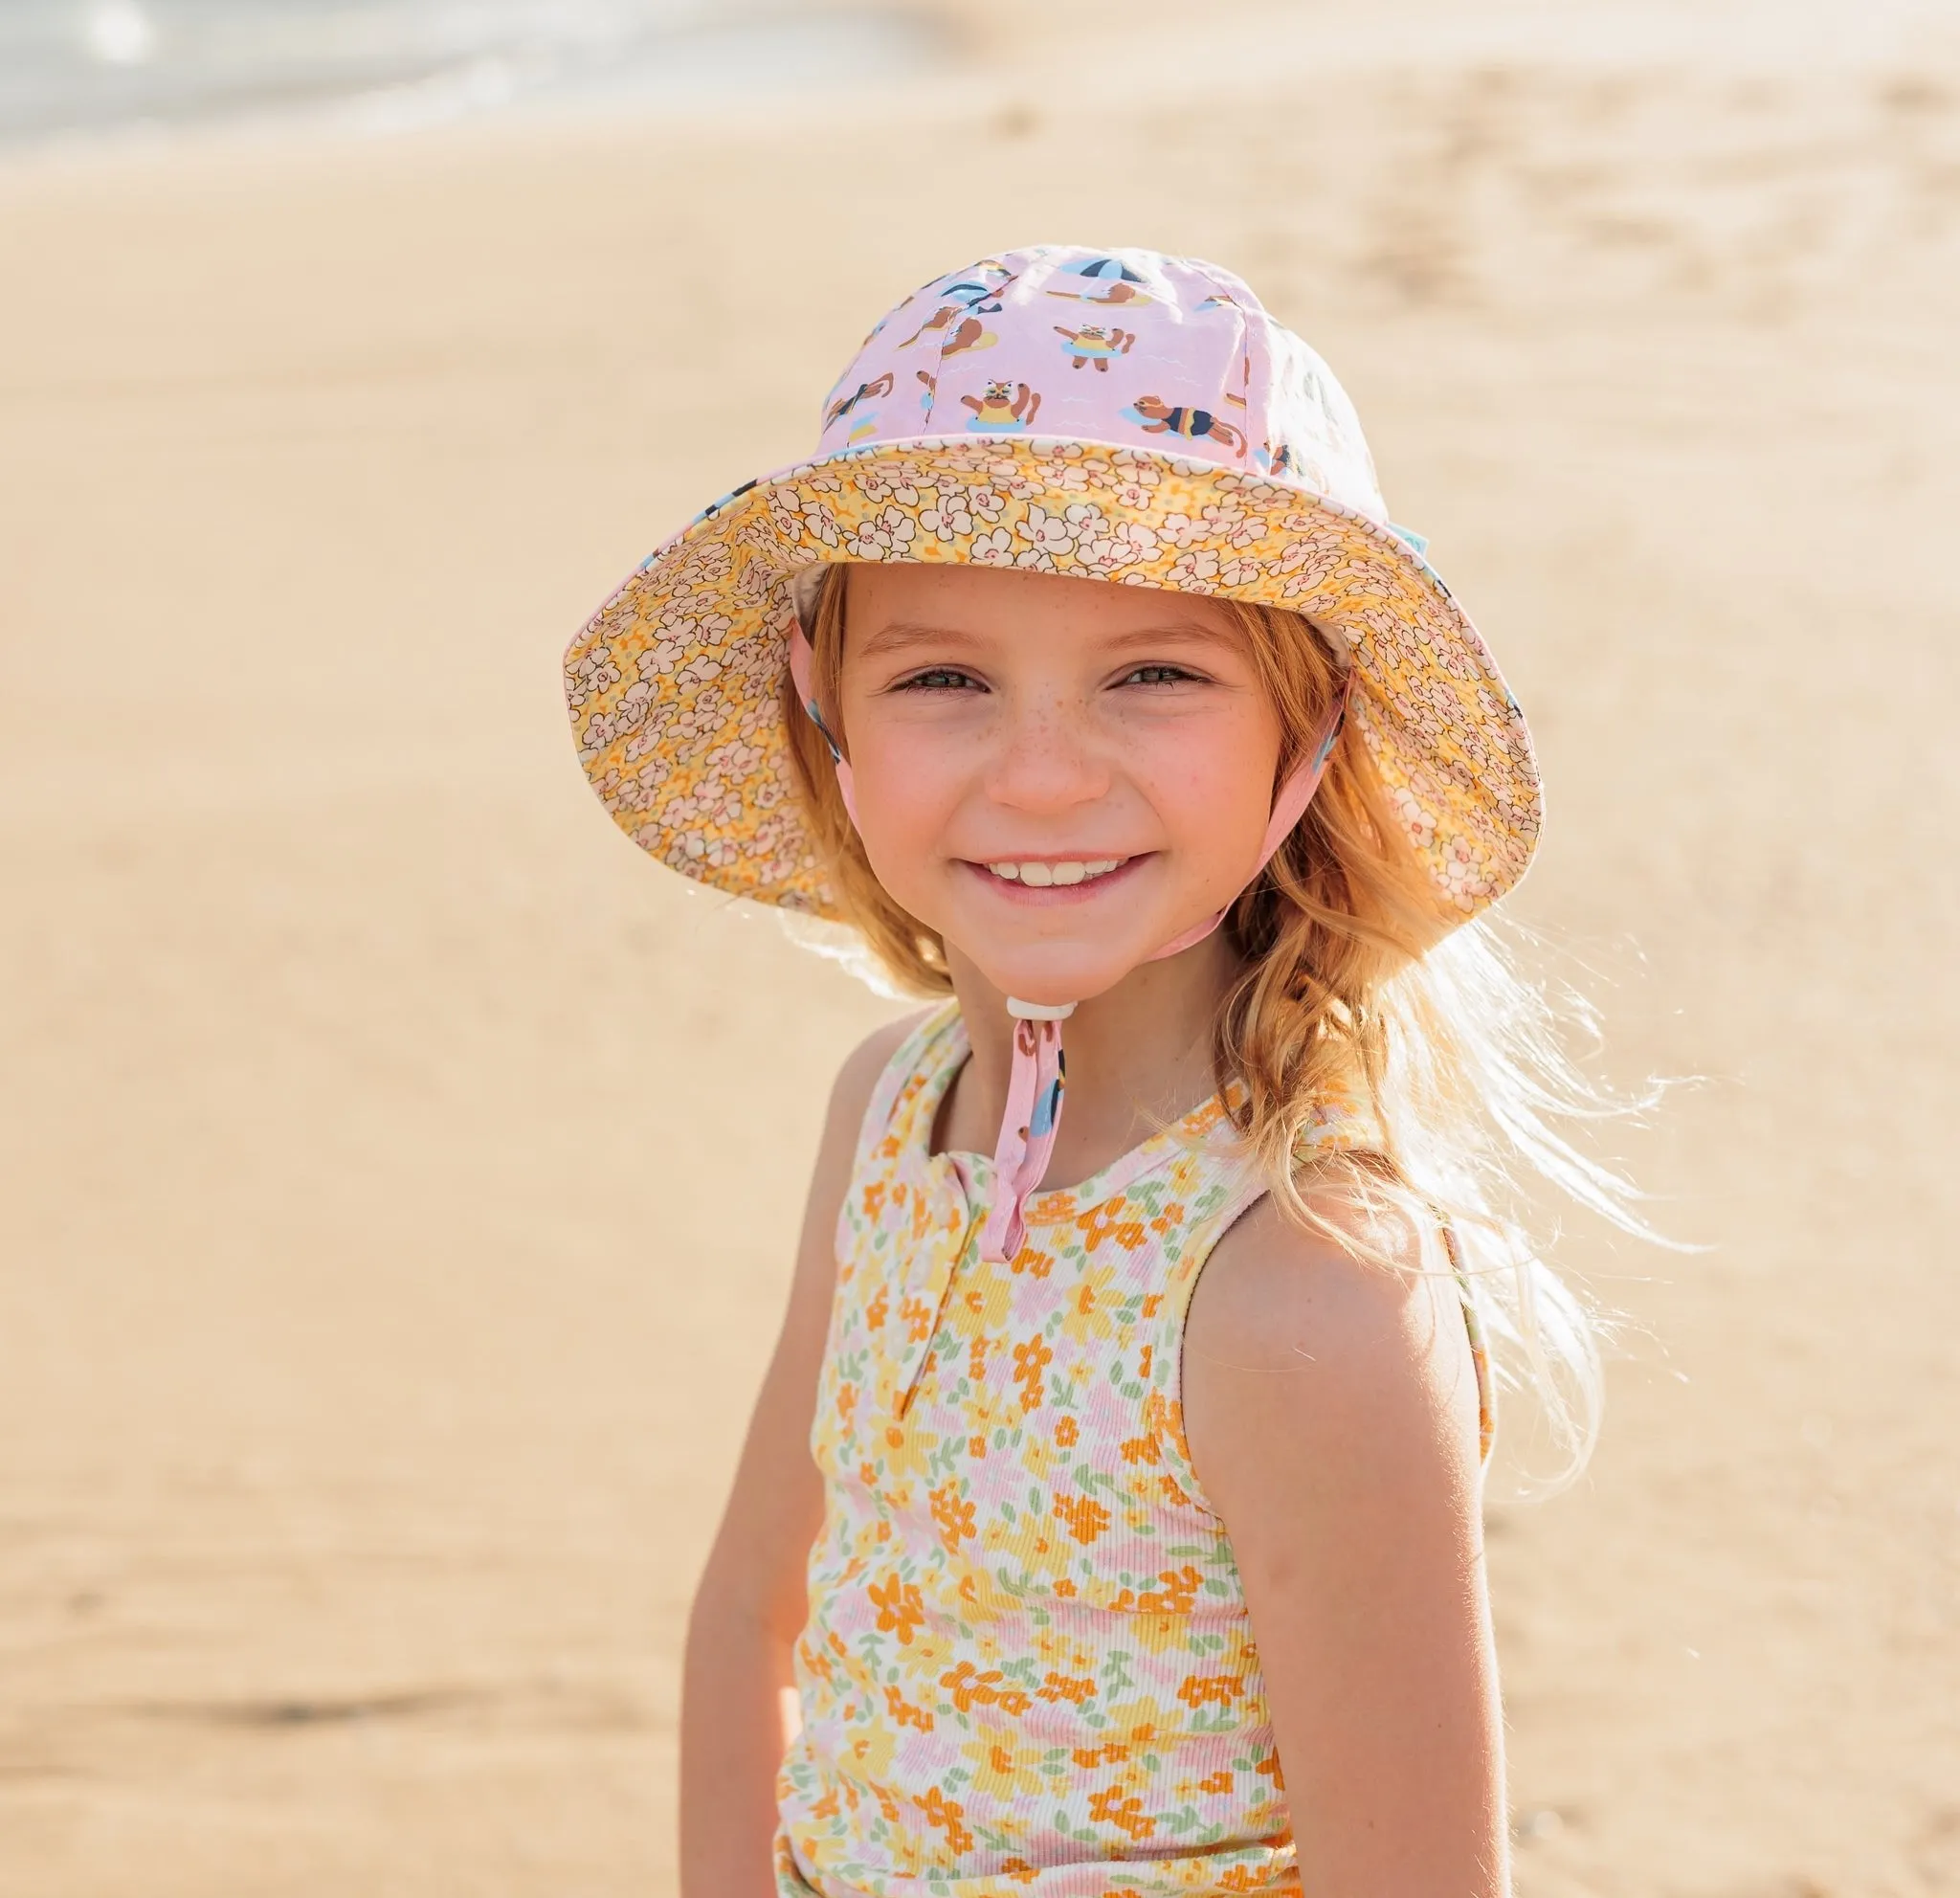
78,68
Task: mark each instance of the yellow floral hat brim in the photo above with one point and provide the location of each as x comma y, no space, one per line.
675,685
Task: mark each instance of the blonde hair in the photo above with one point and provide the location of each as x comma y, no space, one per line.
1356,983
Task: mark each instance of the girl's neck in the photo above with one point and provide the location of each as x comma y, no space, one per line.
1139,1057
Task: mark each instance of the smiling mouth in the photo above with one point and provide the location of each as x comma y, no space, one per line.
1055,873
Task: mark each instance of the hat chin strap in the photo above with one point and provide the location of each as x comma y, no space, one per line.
1037,1072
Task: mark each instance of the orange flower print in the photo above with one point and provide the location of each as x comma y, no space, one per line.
943,1812
1019,1871
1217,1782
1269,1767
1099,1223
1067,1433
1086,1518
1179,1595
1030,1360
1113,1806
1064,1686
899,1609
903,1713
954,1516
874,1200
918,1316
972,1688
1210,1689
876,1312
1166,1221
1140,1450
1064,1586
847,1401
1143,1363
1036,1263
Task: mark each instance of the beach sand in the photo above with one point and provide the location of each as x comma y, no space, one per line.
401,1173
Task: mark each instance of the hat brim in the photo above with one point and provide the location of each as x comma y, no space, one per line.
676,683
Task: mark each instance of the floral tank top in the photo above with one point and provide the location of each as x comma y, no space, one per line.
1027,1670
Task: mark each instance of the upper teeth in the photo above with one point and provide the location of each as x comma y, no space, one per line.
1039,876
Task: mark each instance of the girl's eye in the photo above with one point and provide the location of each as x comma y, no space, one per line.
1158,675
939,678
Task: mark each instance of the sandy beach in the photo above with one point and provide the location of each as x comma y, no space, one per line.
400,1173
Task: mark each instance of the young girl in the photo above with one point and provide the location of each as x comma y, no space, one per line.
1108,1525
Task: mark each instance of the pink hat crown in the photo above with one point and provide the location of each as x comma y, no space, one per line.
1127,348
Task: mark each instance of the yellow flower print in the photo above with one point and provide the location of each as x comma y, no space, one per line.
1003,1770
1086,1518
899,1608
1090,1312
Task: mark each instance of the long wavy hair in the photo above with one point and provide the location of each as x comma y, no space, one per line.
1353,983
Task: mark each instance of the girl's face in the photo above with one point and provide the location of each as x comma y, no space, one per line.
1057,775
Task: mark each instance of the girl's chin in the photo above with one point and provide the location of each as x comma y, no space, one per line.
1053,976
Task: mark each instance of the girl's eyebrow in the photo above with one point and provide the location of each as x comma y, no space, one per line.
903,635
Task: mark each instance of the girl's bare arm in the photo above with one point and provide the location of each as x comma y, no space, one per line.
1331,1413
738,1698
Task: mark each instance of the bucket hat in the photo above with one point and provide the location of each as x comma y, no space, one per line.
1110,414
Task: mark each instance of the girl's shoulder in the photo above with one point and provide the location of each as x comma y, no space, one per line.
1367,1310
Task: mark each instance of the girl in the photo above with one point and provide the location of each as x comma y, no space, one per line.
1108,1525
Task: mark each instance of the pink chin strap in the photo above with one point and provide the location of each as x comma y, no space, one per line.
1037,1073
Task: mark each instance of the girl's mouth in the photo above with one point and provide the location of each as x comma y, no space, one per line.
1052,879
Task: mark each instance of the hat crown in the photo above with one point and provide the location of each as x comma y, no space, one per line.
1125,348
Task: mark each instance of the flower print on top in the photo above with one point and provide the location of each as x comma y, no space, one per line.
1029,1666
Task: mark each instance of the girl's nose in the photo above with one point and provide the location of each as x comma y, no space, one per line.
1047,762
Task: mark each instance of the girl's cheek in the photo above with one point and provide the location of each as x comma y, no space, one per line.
902,810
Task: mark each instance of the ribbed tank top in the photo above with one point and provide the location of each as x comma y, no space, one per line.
1027,1670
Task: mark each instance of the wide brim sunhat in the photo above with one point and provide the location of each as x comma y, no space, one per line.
1116,415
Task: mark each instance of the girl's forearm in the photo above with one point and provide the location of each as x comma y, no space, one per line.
737,1717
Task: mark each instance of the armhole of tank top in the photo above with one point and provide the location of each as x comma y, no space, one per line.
1480,1351
903,1064
1166,1403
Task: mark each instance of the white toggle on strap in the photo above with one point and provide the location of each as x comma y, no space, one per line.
1036,1072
